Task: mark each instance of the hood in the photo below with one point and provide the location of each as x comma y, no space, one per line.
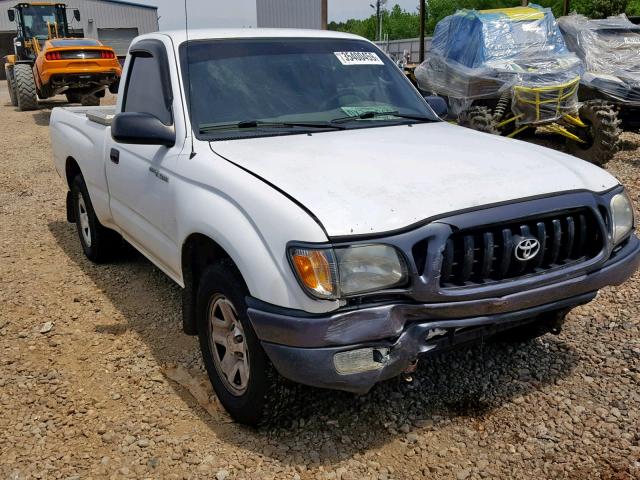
374,180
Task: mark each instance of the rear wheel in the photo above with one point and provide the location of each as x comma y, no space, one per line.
90,101
98,242
242,376
8,70
479,118
601,137
25,87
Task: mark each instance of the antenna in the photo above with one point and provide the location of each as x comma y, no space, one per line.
186,30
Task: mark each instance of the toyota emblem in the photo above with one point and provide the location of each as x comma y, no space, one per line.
526,249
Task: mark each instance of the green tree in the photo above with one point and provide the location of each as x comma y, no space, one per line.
599,8
398,23
633,8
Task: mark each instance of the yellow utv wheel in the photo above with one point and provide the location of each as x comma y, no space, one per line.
600,139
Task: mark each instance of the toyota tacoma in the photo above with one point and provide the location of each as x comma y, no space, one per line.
325,225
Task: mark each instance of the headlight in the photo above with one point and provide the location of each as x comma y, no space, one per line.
366,268
622,217
330,274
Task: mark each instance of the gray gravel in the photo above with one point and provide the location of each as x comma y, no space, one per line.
96,378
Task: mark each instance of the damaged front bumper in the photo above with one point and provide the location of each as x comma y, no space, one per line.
354,349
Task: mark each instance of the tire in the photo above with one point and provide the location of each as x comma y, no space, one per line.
8,69
480,119
73,97
99,243
602,134
90,101
257,396
25,87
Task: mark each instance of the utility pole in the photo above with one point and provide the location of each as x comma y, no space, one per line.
378,8
379,20
324,14
422,19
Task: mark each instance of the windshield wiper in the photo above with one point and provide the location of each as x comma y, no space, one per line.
373,114
247,124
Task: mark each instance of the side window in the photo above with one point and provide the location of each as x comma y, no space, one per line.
144,89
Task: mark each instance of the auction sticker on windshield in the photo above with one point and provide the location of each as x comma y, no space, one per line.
359,58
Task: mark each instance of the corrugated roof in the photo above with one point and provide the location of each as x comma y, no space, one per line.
133,4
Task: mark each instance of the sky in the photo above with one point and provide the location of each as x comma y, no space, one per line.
242,13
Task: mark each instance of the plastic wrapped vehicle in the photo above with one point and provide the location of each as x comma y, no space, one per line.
610,50
509,70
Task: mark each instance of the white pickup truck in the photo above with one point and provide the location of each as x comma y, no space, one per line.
325,225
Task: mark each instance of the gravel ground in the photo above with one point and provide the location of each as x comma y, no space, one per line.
97,380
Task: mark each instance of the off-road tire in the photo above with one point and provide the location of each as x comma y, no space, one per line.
90,101
8,70
603,133
480,119
267,394
73,97
25,87
104,243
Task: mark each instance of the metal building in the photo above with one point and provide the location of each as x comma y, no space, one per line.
292,13
113,22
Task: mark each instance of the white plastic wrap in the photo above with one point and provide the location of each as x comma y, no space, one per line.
518,52
610,49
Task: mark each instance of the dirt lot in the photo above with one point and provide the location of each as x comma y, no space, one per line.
87,354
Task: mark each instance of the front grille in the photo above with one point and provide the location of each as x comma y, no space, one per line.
487,255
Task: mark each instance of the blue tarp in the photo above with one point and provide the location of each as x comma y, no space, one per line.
484,54
473,38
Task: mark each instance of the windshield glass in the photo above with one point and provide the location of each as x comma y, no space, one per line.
38,19
619,40
237,86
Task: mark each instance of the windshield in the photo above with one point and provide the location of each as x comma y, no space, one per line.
37,20
619,40
258,87
513,39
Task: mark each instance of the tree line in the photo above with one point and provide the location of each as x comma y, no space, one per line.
398,23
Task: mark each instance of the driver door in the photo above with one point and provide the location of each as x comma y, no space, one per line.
140,177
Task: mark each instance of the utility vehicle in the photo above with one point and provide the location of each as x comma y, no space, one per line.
610,49
507,71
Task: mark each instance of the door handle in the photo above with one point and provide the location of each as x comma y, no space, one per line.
114,156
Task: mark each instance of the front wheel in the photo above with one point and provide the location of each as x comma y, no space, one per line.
480,119
241,374
25,87
601,137
98,242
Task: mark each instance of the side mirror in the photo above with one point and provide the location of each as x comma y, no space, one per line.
12,15
141,129
438,105
76,15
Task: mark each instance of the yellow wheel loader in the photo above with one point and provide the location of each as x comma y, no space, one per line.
48,62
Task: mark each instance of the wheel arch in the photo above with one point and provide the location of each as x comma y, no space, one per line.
71,169
199,251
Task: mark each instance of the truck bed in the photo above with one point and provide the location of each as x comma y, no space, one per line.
101,115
